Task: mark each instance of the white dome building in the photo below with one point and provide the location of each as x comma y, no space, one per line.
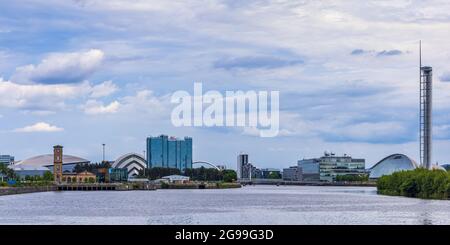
133,162
69,162
391,164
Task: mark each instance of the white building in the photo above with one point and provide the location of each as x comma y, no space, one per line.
176,178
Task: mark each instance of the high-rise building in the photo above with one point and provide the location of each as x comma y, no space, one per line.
246,170
327,167
169,152
242,160
6,159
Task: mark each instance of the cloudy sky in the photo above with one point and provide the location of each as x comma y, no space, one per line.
86,72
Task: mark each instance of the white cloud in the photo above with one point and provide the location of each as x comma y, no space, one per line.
145,101
103,89
39,127
94,107
60,68
38,97
45,99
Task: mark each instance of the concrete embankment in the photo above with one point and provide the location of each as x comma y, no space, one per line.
23,190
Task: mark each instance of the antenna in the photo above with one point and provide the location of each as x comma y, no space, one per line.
420,58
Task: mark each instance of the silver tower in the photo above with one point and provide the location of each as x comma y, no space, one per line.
426,85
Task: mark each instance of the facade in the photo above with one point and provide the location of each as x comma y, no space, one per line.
176,178
327,167
293,173
68,162
169,152
57,163
118,175
83,177
390,164
310,169
6,159
133,162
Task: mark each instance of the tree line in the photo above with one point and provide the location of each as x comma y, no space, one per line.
420,182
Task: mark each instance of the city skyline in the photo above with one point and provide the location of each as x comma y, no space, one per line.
84,73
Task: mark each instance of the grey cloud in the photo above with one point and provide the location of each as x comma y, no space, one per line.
392,52
256,62
359,52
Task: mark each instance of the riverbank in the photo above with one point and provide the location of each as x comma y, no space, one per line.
116,187
23,190
308,183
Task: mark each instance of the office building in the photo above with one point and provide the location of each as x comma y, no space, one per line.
327,167
169,152
6,159
293,173
270,173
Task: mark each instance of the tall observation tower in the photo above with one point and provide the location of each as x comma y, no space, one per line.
426,85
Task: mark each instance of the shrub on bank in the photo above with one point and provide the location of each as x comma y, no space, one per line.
422,183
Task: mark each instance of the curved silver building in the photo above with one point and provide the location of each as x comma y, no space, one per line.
391,164
133,162
69,162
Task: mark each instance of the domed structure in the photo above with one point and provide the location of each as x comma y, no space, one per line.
69,162
437,167
133,162
391,164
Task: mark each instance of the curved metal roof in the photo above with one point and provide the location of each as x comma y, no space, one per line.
47,160
133,162
392,163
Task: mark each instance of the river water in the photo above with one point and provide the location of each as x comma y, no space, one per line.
247,205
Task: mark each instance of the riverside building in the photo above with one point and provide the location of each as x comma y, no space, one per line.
169,152
327,167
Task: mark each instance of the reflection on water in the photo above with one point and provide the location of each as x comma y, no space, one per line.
248,205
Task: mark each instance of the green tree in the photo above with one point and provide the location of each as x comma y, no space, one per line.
48,176
229,175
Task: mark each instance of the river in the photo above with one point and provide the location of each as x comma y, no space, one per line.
247,205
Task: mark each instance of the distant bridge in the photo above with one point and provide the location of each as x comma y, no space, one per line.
207,163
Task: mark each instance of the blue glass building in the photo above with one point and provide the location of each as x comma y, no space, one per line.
169,152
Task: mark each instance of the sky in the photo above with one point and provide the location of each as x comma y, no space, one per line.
85,72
